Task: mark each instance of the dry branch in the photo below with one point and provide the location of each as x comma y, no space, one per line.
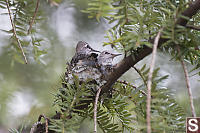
188,88
187,84
39,127
46,122
149,82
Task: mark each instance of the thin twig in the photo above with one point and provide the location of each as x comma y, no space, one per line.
46,122
149,82
189,88
187,84
95,110
140,75
129,84
34,15
14,32
193,27
126,83
34,127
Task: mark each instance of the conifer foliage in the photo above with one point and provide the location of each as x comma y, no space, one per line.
24,38
124,111
134,25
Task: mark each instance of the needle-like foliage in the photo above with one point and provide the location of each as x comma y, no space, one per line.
22,12
135,23
124,111
133,26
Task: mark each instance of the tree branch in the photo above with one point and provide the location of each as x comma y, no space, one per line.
189,12
128,62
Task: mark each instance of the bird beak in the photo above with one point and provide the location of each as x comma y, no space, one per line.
114,55
96,51
93,49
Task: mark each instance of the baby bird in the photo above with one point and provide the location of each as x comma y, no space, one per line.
85,54
105,62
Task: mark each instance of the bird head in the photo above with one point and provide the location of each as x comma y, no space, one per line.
106,54
84,47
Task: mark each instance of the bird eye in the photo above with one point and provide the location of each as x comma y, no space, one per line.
88,46
106,53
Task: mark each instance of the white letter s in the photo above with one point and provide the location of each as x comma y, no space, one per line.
193,124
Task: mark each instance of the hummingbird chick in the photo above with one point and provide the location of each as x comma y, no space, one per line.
84,63
85,55
105,62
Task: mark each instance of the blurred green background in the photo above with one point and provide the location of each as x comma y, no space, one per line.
26,90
